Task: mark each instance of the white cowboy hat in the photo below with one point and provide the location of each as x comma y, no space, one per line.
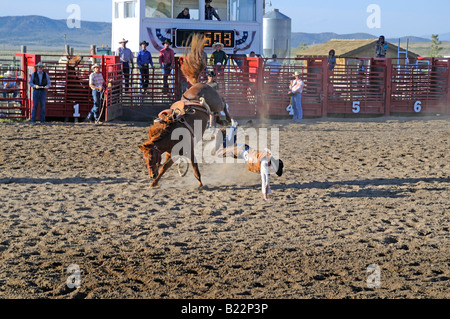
297,73
95,66
218,44
39,65
9,73
123,41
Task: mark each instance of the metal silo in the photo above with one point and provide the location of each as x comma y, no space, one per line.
277,34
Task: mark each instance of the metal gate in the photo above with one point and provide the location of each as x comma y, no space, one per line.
250,88
69,95
239,88
274,98
420,87
113,94
357,88
13,100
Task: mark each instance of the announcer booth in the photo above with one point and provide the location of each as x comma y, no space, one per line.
240,28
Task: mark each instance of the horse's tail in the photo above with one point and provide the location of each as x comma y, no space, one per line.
194,63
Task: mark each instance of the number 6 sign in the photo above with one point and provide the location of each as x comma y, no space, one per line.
418,107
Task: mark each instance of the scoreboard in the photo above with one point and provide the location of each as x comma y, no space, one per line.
226,37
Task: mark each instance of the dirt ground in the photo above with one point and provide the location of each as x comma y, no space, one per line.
355,193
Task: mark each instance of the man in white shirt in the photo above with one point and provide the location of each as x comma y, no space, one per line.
296,87
96,83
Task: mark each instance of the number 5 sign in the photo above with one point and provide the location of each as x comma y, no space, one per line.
356,108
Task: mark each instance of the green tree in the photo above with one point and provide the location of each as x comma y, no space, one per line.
303,46
435,47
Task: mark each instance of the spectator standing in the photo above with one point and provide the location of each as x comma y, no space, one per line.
295,91
167,62
210,11
96,83
126,58
144,59
331,60
212,80
381,47
212,83
274,66
218,58
40,82
238,58
9,84
184,14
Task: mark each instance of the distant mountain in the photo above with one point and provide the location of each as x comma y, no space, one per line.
412,39
45,32
317,38
443,37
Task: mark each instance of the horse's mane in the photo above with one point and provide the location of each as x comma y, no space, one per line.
159,130
193,65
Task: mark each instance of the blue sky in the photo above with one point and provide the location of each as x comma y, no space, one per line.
398,18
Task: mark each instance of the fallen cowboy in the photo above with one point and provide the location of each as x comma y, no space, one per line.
261,162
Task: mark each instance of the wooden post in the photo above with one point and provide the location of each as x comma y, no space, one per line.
261,105
448,88
325,77
388,88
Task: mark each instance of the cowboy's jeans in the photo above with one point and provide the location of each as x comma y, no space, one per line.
126,74
167,69
297,107
94,113
144,76
39,97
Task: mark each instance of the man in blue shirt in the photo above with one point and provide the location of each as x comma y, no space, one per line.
9,83
274,66
144,59
381,47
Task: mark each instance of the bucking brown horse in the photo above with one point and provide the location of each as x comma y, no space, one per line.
197,105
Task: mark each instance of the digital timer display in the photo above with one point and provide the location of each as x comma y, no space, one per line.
212,36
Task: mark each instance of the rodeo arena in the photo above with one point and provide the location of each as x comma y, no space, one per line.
324,175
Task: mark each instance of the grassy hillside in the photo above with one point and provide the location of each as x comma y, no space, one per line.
423,48
315,38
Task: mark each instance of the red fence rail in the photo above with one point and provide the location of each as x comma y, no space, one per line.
13,99
353,89
420,88
250,88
